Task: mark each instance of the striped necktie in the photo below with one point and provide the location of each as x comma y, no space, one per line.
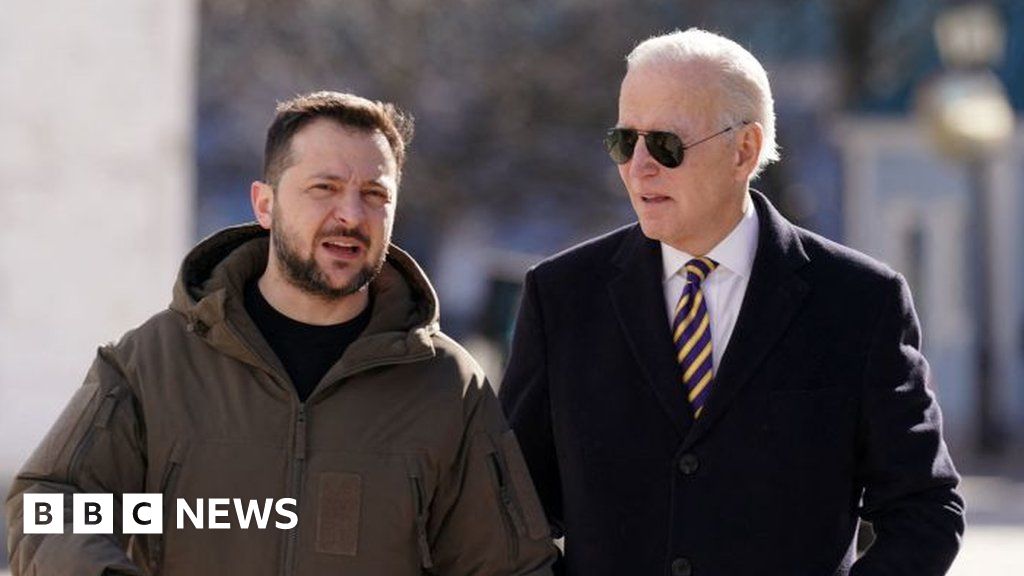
691,333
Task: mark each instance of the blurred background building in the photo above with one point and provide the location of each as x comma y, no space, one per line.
134,129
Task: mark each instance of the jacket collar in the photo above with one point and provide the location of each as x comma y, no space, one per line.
210,288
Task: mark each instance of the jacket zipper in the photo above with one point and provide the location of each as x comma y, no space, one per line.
298,463
299,451
506,506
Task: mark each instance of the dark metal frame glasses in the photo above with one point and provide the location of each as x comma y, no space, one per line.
665,147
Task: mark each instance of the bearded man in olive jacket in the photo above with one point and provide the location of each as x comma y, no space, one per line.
306,363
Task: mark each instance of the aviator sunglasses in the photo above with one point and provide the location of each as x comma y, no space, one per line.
665,147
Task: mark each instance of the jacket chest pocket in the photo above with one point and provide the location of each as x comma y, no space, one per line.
167,486
370,506
237,475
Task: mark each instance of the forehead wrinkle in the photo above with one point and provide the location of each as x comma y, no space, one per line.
334,153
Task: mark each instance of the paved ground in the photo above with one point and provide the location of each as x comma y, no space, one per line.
991,551
994,541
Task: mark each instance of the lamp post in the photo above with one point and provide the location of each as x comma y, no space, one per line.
970,119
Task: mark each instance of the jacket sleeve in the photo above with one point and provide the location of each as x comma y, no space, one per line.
94,447
909,480
486,518
525,399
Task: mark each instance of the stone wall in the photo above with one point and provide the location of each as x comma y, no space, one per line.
96,180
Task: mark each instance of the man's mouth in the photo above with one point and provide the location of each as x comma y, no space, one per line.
344,248
653,198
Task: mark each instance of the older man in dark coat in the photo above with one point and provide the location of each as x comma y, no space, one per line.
714,390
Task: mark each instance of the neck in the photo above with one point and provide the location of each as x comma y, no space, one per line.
709,237
307,308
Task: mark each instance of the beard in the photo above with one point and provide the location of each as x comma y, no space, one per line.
306,274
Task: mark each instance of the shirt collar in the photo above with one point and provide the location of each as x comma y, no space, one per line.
734,253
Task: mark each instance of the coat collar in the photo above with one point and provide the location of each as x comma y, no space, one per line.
734,254
639,305
773,296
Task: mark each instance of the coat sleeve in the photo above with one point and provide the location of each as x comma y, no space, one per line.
486,518
526,400
94,447
909,480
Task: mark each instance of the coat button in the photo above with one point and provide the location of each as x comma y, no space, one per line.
682,567
688,464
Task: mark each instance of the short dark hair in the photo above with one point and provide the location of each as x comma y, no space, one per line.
345,109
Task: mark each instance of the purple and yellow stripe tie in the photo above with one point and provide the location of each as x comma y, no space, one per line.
691,333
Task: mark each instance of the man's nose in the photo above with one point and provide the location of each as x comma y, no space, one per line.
348,208
642,164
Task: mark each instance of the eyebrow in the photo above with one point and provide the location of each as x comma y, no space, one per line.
328,176
336,178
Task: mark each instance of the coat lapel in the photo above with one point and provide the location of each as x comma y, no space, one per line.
774,295
638,301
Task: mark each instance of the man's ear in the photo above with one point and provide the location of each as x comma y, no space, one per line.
261,195
748,150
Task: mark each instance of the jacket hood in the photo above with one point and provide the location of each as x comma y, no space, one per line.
210,288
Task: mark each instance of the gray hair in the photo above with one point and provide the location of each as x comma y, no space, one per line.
742,80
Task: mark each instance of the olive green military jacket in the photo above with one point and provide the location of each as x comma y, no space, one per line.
400,462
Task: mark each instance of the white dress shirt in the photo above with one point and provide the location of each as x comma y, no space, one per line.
725,287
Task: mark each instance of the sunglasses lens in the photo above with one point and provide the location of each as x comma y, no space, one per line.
666,148
620,142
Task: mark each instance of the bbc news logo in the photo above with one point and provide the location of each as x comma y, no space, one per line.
144,513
